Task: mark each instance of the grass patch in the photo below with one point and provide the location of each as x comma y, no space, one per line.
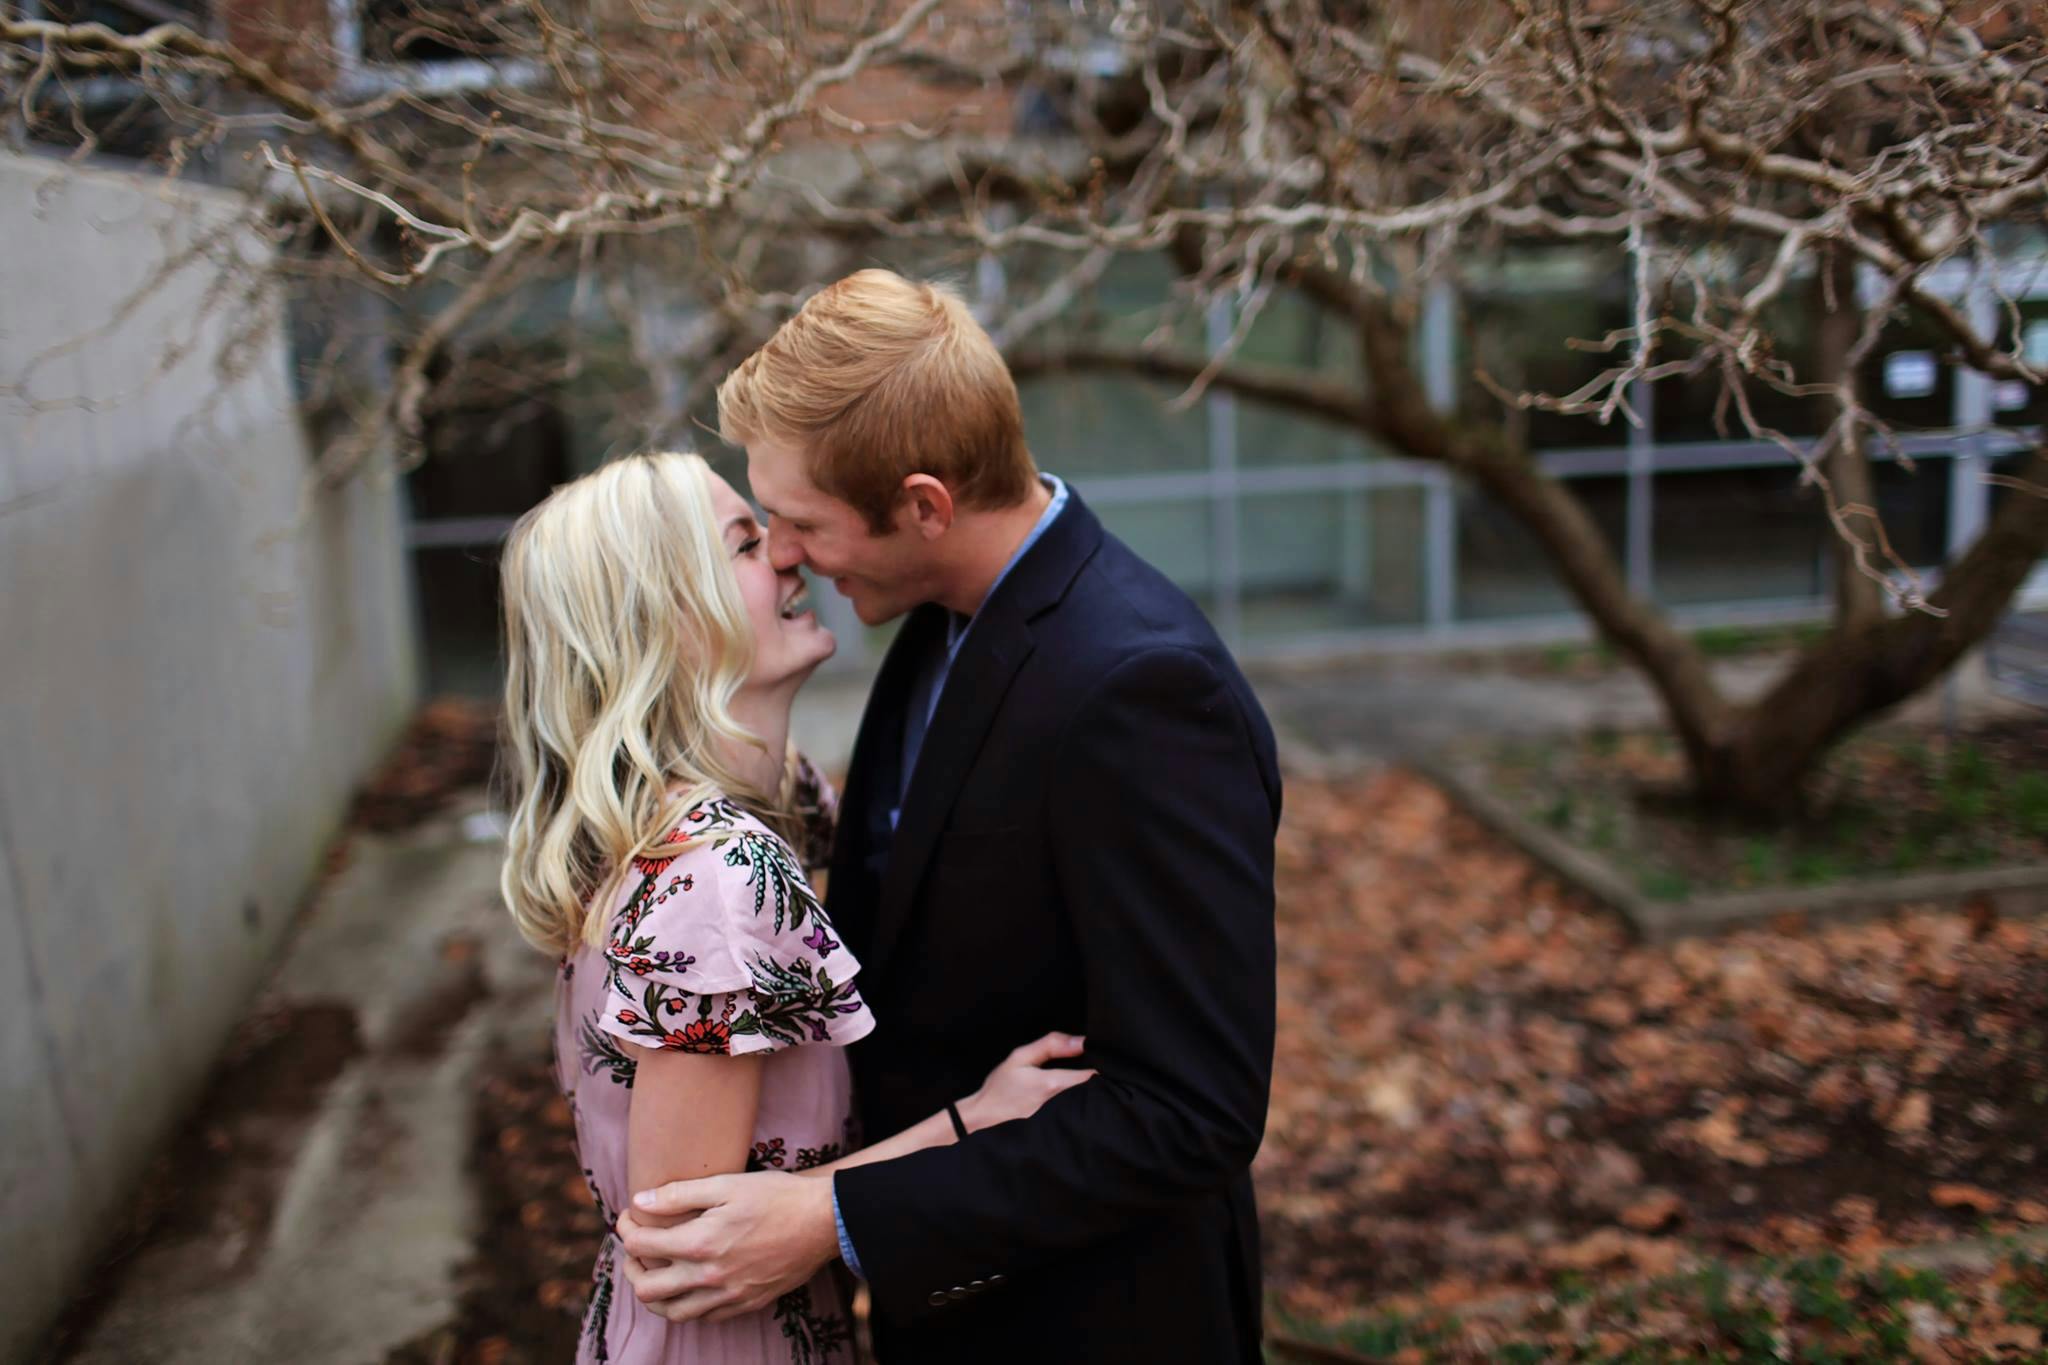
1583,658
1887,803
1818,1309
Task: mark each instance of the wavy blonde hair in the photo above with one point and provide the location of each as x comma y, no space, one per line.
626,639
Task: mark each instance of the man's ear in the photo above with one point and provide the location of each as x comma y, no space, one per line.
924,505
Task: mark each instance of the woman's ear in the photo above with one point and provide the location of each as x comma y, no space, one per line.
924,505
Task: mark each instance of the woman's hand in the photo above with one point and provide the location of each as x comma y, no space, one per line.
1022,1082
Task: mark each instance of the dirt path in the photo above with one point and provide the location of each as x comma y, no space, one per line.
323,1206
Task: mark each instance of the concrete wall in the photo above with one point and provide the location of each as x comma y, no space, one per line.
197,663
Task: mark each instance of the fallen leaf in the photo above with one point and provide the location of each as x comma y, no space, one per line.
1656,1209
1606,1246
1966,1197
2009,1336
1913,1114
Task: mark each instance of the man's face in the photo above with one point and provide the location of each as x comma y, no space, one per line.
882,575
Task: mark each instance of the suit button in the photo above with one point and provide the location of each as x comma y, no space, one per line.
936,1297
957,1293
976,1286
995,1279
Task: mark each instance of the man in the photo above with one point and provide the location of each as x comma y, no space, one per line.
1060,816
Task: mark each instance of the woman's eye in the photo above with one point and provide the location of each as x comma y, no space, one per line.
749,545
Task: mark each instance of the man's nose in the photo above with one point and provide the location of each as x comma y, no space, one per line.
784,553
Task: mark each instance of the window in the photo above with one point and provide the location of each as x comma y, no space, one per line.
431,32
111,115
1517,316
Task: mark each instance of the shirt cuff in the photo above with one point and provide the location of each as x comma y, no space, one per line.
846,1252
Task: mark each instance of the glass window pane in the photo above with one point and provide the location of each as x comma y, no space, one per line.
493,449
1733,535
457,591
1270,437
1125,305
1173,535
1504,572
1294,331
2015,403
1515,327
1080,425
1905,381
1914,504
1319,563
1699,407
2009,466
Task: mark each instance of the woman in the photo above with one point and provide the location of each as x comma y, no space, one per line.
703,999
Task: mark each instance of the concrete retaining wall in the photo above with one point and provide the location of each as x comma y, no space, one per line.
196,666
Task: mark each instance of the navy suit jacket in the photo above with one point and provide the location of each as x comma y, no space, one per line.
1086,845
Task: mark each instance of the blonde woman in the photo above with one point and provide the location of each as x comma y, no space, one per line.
703,999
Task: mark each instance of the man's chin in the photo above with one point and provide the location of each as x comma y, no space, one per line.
873,613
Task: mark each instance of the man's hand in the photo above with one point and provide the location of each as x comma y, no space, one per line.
753,1239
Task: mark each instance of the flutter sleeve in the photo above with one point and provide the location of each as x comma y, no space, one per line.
722,947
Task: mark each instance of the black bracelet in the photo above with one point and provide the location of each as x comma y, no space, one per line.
959,1127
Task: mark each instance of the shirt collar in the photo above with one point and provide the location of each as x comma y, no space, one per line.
956,624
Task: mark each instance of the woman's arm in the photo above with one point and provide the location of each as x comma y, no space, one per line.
1014,1090
691,1115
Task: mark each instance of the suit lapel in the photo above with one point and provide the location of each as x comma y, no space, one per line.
989,658
860,847
995,649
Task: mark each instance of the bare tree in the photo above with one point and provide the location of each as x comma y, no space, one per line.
701,157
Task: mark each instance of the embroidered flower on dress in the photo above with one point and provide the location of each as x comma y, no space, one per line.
712,1037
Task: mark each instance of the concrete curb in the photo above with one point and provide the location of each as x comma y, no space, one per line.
2007,891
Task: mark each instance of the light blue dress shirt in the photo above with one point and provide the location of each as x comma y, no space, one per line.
957,627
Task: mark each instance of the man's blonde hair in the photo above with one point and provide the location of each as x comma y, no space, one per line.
878,378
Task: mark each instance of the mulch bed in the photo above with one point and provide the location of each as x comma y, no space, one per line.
1895,800
1483,1083
523,1294
449,748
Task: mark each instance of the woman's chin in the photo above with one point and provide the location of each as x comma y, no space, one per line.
818,643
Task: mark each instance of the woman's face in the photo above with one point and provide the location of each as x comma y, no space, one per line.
788,642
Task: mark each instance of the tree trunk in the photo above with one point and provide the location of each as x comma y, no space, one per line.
1851,678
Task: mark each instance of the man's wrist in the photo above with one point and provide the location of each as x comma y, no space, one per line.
821,1226
843,1241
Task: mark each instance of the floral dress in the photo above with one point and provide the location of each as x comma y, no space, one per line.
722,948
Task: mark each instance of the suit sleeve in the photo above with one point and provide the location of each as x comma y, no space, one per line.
1164,811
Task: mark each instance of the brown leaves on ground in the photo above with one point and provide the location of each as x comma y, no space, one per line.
450,747
526,1288
1480,1078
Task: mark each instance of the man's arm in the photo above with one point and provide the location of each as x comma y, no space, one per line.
1163,852
754,1237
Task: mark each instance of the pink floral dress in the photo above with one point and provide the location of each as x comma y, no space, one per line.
718,948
